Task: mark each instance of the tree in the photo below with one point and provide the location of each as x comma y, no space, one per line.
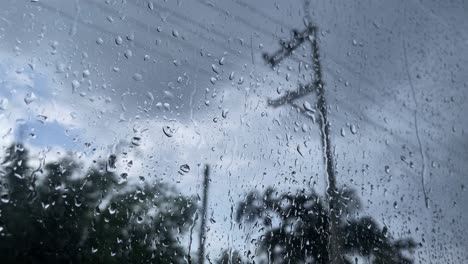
230,257
57,214
303,231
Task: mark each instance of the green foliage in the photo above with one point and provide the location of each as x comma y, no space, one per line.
57,215
302,234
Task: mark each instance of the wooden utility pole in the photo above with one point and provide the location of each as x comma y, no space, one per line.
317,86
206,181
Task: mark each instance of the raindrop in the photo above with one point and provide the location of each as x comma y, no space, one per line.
308,107
118,40
231,76
138,77
97,211
5,198
299,150
100,41
30,97
3,104
136,141
213,80
139,219
221,61
123,178
175,33
142,179
110,166
128,54
353,129
168,131
343,132
185,168
41,118
112,208
86,73
387,169
214,68
224,113
75,85
78,202
385,231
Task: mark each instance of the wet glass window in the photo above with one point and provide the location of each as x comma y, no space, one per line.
233,131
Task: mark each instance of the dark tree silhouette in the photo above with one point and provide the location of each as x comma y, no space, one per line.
296,229
231,257
54,214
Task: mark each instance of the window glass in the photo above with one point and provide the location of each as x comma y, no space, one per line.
193,131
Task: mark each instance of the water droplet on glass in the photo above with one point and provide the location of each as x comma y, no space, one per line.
185,168
138,77
308,107
221,61
112,208
214,68
353,129
86,73
100,41
3,104
123,178
5,198
94,250
387,169
213,80
175,33
142,179
75,85
139,219
118,40
299,150
128,54
30,97
224,113
136,141
110,166
343,132
168,131
78,202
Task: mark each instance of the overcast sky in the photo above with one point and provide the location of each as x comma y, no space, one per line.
103,72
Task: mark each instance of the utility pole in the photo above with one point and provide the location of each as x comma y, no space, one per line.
206,181
317,86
